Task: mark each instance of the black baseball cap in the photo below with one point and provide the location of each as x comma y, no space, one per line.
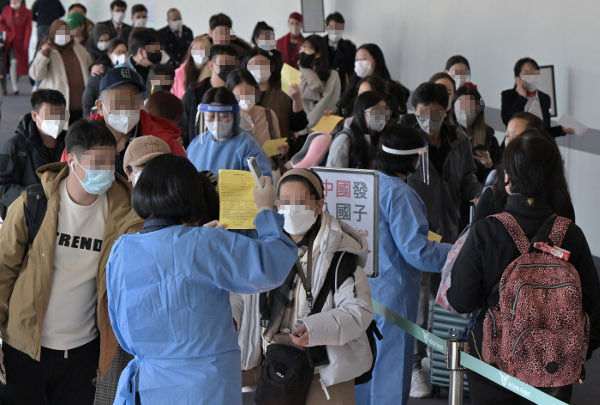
121,75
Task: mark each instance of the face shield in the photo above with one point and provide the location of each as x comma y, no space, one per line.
221,121
423,158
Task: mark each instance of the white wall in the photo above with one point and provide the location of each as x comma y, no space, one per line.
418,36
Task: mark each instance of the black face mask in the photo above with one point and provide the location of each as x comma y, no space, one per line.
224,71
165,87
306,60
154,57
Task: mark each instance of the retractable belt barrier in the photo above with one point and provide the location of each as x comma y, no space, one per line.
465,360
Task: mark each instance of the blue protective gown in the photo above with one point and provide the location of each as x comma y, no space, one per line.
169,306
404,251
230,154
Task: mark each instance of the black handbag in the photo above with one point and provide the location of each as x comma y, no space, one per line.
285,377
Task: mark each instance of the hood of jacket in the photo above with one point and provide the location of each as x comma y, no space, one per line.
338,236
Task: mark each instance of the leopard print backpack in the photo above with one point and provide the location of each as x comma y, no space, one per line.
538,332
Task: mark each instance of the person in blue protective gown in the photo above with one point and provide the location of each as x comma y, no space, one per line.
404,252
223,144
168,288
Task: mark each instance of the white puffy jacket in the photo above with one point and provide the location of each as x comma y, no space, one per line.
346,314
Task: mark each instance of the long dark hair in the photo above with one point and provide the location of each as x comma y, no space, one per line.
321,64
275,79
361,154
478,131
191,73
534,166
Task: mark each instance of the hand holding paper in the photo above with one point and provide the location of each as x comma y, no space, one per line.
237,207
289,76
271,147
567,121
327,123
434,237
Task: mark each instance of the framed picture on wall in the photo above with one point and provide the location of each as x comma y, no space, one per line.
547,85
313,14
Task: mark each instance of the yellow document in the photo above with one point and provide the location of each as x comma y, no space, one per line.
237,207
327,123
289,76
270,147
434,237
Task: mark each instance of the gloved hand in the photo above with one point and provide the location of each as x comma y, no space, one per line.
215,224
264,198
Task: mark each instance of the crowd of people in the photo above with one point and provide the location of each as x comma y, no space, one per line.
119,285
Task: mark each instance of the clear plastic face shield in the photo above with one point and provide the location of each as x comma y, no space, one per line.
423,158
217,120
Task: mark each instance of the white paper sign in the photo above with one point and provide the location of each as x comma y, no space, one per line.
352,196
569,122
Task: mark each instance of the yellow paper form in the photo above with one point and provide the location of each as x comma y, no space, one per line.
434,237
327,123
237,207
289,76
270,147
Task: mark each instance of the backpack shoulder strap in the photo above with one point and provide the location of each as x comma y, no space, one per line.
559,230
268,113
35,210
515,231
343,265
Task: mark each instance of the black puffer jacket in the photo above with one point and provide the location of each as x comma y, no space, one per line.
20,157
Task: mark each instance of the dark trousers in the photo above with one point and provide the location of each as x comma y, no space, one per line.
486,392
53,380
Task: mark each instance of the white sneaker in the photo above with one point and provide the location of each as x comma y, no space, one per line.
420,385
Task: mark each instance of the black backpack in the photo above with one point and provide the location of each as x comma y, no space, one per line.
344,265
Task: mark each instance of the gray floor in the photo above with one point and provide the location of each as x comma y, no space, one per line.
13,108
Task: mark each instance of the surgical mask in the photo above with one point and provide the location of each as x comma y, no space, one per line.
140,22
118,17
123,121
117,59
96,182
430,126
220,130
224,71
200,59
363,68
261,76
136,177
247,104
154,57
333,37
460,80
267,44
175,25
16,6
464,119
61,39
376,122
297,219
52,127
102,45
531,81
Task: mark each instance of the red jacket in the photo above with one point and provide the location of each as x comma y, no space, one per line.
152,125
283,46
17,25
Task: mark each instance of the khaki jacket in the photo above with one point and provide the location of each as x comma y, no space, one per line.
25,281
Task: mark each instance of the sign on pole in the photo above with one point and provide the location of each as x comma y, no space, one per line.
352,196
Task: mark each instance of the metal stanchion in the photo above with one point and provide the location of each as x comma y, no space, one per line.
457,372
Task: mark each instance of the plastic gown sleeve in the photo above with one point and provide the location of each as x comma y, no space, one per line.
409,228
113,299
349,319
247,266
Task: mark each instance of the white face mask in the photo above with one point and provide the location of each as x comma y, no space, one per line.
247,103
465,120
199,59
140,22
118,17
117,59
62,40
123,121
267,44
297,219
220,130
363,68
334,36
175,25
136,177
102,45
531,81
376,122
16,6
460,80
261,76
430,126
52,127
